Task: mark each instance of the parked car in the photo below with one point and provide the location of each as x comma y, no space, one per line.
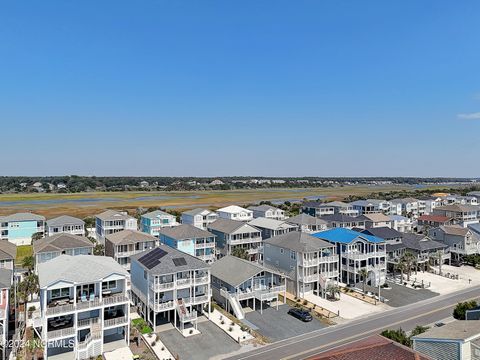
300,314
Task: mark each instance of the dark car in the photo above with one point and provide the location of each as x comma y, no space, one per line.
300,314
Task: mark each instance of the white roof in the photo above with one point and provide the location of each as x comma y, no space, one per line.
78,269
271,224
234,209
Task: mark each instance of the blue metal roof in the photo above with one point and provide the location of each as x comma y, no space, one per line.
345,236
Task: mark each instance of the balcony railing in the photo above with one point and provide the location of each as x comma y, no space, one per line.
184,282
191,316
201,279
244,241
82,345
159,307
200,299
60,309
87,322
204,245
162,286
308,278
116,322
60,333
97,302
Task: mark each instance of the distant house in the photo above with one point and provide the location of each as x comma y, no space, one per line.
309,262
401,223
457,340
408,206
19,228
357,251
232,234
237,283
53,246
65,224
376,220
307,223
461,214
317,208
199,218
383,206
374,347
340,207
365,206
123,244
111,221
217,182
152,222
267,211
191,240
272,227
344,221
144,184
461,241
432,221
234,212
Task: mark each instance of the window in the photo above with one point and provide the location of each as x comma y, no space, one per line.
282,251
59,293
293,255
145,274
109,285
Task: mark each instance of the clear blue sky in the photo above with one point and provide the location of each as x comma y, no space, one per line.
208,88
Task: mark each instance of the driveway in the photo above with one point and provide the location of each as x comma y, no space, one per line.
278,325
400,295
210,343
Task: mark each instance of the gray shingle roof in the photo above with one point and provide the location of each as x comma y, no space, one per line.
341,218
125,237
65,220
383,232
227,225
272,224
305,219
235,271
113,215
421,242
22,217
458,208
456,330
78,269
155,214
196,211
262,208
166,264
299,241
59,242
8,250
185,231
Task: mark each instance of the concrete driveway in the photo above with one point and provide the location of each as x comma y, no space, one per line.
210,343
400,295
278,325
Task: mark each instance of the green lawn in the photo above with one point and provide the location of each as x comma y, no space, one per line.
22,252
142,326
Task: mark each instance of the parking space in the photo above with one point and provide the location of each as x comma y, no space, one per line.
210,343
399,295
278,324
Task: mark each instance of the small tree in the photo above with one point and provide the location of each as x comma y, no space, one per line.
418,330
462,307
28,263
333,290
240,253
397,335
363,274
36,236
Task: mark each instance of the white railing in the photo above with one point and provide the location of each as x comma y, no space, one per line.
60,309
184,282
204,245
89,304
308,278
127,253
191,316
201,279
310,262
87,322
162,286
60,333
244,241
200,299
110,300
159,307
82,345
116,322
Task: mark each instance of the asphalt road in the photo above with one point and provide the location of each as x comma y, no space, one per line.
407,317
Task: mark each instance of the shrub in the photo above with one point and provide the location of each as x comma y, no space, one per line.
230,329
232,323
462,307
222,322
191,331
153,343
305,302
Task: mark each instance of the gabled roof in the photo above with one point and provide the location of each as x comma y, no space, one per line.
298,241
8,250
404,201
197,211
156,214
233,209
271,224
235,271
228,225
383,232
22,217
434,218
262,208
78,269
65,220
454,230
375,217
126,237
166,263
305,219
59,242
374,347
455,330
458,208
362,203
315,204
421,243
185,231
113,215
339,204
345,236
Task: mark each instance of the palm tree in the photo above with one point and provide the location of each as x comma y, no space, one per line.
363,274
400,266
333,290
438,256
28,263
240,253
410,260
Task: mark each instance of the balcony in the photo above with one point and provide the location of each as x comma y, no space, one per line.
54,334
191,316
355,255
58,308
204,279
244,241
127,253
205,245
123,320
199,299
184,282
159,307
85,323
308,278
162,286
